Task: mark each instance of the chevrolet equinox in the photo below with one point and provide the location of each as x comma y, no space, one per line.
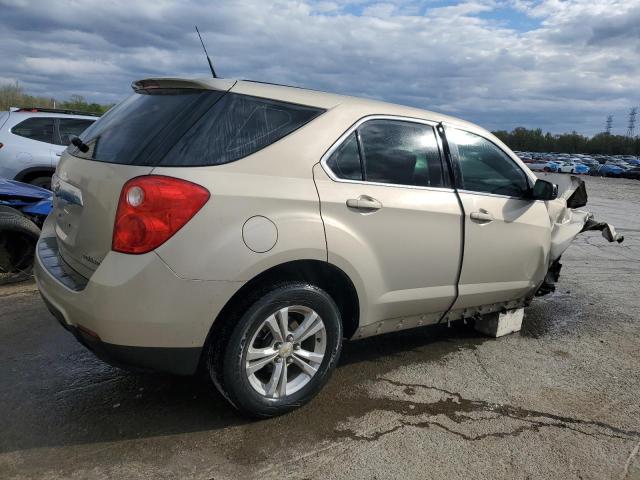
247,229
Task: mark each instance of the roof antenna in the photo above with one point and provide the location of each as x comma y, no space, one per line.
213,72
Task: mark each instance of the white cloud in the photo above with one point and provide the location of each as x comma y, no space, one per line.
66,66
382,10
575,64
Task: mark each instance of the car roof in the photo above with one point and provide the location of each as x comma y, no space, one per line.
309,97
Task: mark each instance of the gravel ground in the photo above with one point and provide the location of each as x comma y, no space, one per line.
560,399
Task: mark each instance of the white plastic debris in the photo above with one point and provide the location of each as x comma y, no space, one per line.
499,324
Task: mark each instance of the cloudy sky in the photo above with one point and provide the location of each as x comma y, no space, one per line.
560,65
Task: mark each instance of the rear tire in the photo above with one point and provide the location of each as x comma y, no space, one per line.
266,371
42,182
18,238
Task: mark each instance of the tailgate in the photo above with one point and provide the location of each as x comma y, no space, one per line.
84,207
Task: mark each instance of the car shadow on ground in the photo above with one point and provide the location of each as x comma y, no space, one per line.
81,400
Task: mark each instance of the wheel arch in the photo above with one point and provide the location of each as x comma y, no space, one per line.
29,174
320,273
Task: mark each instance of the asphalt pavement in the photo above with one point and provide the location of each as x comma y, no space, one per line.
560,399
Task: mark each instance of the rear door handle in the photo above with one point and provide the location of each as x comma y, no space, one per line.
364,202
482,216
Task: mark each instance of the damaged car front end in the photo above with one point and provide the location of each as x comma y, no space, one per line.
567,222
23,209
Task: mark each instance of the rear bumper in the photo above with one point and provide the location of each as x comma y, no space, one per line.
179,361
140,313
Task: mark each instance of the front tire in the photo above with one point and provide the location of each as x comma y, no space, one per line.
281,350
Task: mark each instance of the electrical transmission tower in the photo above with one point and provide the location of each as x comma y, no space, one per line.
632,122
608,125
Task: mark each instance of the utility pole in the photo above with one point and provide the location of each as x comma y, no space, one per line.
608,125
632,122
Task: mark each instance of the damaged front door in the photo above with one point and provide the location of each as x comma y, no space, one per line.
506,233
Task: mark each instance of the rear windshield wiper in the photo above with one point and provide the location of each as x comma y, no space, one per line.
83,147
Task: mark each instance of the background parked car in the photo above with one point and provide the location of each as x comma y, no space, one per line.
552,167
536,166
573,167
610,170
632,173
32,139
23,209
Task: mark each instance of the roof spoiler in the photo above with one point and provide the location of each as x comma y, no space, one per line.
148,85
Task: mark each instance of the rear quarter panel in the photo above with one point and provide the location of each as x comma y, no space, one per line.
275,182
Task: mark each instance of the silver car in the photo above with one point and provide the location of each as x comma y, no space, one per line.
248,228
32,140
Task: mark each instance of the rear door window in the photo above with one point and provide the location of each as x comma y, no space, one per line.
71,127
237,126
36,128
401,153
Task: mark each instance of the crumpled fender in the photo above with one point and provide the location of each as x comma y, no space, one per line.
567,221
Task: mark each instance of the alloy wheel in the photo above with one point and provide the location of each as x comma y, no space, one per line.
286,351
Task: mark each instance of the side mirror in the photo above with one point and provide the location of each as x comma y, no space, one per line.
543,190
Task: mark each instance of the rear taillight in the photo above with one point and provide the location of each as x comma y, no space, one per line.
152,209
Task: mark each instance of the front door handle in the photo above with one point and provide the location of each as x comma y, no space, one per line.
482,216
364,202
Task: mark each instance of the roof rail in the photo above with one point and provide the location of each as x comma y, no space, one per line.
53,110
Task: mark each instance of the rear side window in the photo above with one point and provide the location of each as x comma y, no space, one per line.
36,128
344,162
237,126
134,131
71,127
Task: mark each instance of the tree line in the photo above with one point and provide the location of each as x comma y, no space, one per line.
13,95
534,140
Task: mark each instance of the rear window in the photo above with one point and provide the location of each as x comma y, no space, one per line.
237,126
180,127
133,131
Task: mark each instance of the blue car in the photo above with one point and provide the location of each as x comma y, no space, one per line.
552,167
23,209
581,168
610,170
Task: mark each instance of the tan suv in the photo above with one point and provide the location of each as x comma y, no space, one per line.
248,228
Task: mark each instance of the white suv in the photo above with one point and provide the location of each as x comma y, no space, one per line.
32,140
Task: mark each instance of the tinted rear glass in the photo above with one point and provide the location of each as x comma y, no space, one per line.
235,127
133,131
36,128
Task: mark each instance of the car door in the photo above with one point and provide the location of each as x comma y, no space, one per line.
506,235
392,220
